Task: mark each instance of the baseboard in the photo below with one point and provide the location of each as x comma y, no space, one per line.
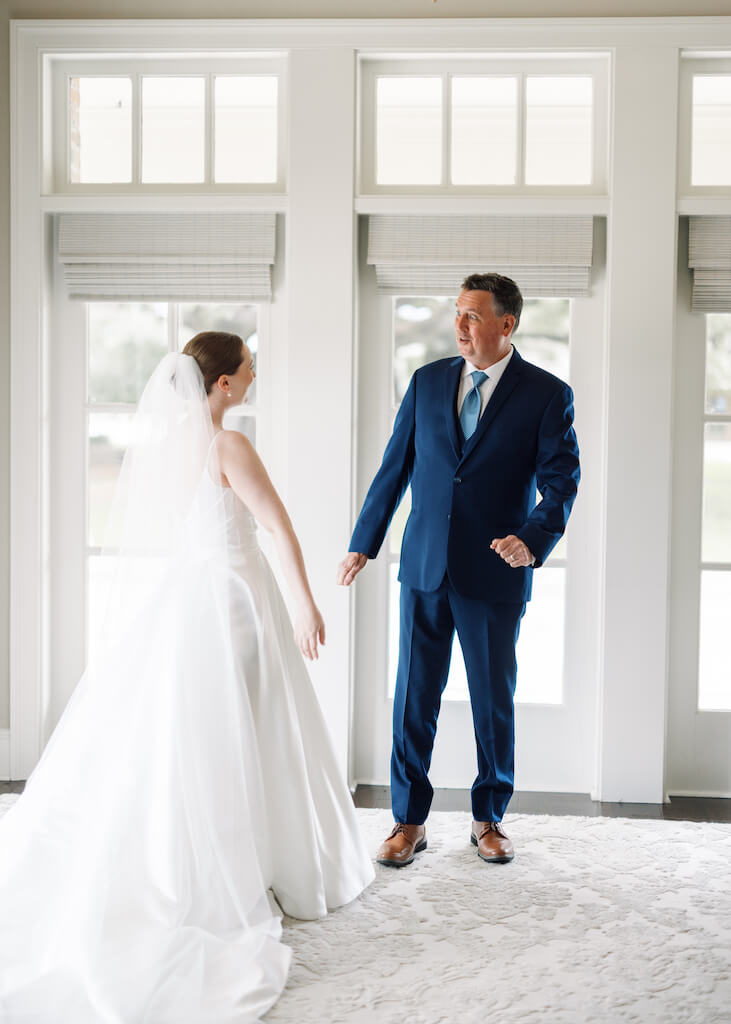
4,755
708,794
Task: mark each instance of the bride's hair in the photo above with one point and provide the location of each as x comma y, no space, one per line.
216,352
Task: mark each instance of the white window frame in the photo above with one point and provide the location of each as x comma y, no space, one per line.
692,64
495,65
63,69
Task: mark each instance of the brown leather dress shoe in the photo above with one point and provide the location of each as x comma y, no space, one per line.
399,848
493,845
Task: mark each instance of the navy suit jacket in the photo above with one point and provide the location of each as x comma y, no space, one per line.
466,493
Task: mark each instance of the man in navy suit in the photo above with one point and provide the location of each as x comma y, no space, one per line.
474,437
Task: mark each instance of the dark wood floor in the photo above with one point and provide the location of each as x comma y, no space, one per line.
680,808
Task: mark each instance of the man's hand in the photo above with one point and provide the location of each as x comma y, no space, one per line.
350,567
513,551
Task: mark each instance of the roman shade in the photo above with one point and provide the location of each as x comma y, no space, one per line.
431,254
167,256
709,257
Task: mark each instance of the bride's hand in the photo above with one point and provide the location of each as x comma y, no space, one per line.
309,628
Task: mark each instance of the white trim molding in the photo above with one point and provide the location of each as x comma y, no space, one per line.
4,755
373,36
28,419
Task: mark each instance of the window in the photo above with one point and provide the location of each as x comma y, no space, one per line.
100,129
423,331
558,122
526,124
704,145
714,680
173,128
484,130
409,131
125,341
141,124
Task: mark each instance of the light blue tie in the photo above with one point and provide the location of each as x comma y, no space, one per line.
470,413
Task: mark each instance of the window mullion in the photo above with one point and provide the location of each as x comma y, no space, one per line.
172,326
520,134
446,129
210,114
136,128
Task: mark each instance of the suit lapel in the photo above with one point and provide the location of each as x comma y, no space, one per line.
449,403
505,385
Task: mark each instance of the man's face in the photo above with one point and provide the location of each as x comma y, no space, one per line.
483,337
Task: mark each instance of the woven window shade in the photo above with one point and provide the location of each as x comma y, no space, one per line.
167,257
709,257
431,255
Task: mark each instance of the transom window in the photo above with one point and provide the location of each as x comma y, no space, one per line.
484,125
152,125
704,146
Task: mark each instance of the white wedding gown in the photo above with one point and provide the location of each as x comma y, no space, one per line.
190,777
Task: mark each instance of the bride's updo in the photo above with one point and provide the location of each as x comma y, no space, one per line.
216,352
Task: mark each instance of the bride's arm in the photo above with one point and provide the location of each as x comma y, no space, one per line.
245,472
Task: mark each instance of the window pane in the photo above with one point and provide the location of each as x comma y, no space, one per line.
126,342
718,363
714,676
541,642
543,335
484,131
142,575
245,425
100,576
540,645
194,317
711,133
173,129
409,131
108,440
717,493
246,128
398,524
423,332
100,130
558,131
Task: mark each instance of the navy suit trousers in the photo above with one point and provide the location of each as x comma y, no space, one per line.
488,633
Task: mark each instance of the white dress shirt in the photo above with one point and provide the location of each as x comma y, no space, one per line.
494,373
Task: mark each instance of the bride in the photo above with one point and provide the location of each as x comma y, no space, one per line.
191,776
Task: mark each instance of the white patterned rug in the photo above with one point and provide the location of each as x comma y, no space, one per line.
596,921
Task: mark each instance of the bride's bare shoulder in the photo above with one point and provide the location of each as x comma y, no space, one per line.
232,444
232,439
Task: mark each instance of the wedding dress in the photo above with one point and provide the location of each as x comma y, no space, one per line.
190,778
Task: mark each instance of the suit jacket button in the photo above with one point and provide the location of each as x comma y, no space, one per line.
458,479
